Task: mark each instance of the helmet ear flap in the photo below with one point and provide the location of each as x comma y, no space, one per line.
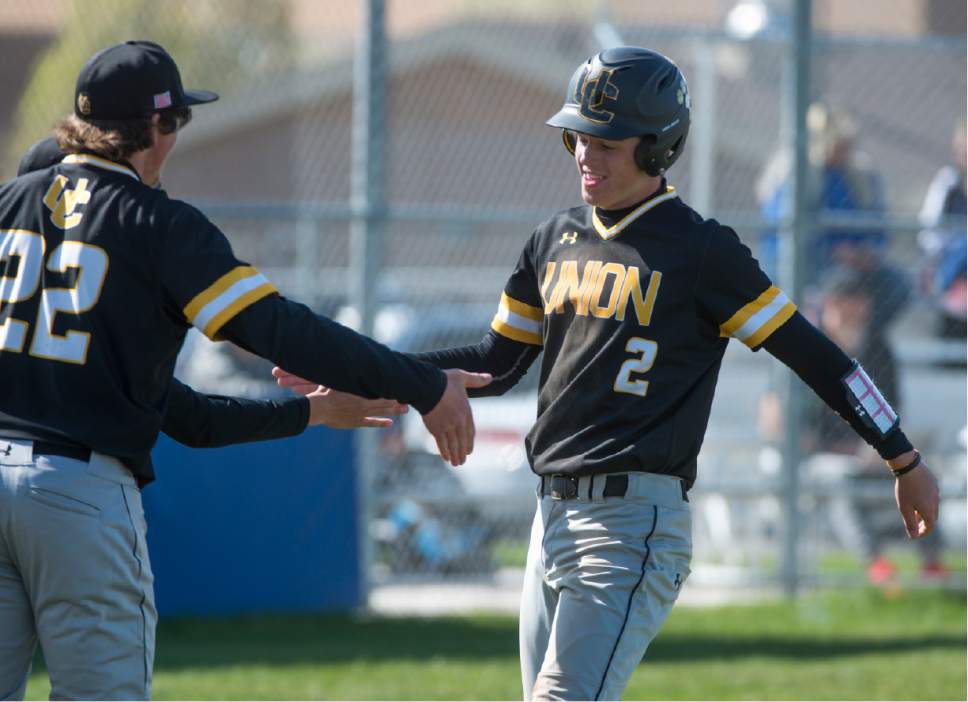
644,157
656,162
568,138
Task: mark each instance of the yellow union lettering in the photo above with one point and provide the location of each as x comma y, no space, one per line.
588,280
549,274
586,296
568,289
566,285
632,288
609,269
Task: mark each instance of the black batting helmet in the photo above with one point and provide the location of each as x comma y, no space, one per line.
624,92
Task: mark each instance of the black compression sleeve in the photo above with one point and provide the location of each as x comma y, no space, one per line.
821,364
206,421
503,358
316,348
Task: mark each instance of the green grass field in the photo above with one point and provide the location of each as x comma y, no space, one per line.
838,646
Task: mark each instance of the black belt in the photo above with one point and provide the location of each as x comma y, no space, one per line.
565,487
46,448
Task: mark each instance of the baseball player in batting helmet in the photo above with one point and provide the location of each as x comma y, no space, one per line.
633,297
101,276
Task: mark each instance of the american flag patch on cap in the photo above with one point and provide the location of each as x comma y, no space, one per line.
163,100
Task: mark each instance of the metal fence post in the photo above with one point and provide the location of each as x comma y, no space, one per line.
795,239
703,147
367,202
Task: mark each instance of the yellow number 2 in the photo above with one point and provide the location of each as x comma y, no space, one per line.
645,352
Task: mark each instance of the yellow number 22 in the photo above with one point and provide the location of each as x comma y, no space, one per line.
91,264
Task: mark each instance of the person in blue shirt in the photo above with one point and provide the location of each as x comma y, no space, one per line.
845,189
943,216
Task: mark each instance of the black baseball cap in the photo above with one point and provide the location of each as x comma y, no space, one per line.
131,80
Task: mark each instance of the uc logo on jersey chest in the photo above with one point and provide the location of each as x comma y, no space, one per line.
62,201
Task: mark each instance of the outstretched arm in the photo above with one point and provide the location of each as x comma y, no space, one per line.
330,354
827,370
207,421
504,359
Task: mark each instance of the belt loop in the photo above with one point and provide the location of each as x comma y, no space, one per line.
598,493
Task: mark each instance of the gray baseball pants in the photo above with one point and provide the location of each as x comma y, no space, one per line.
601,578
74,573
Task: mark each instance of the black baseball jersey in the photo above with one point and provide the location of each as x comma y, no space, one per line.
100,278
633,316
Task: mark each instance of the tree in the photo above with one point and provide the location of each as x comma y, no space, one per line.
218,44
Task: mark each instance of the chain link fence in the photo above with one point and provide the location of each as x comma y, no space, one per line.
458,168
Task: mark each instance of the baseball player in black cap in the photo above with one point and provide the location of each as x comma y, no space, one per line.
203,420
633,298
101,276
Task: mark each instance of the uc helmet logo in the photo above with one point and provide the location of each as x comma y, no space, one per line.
591,94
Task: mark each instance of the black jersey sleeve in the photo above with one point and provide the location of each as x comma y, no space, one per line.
520,313
211,290
316,348
735,294
515,338
205,421
204,282
505,359
821,364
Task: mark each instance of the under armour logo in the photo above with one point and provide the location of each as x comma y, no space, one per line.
569,238
678,582
61,201
8,450
591,94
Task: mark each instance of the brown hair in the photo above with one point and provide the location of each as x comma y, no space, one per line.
114,140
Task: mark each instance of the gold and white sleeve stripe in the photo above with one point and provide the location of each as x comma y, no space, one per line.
755,321
226,297
518,321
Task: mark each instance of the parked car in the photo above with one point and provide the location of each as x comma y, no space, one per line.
432,516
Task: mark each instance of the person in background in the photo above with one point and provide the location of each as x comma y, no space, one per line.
845,315
943,216
842,184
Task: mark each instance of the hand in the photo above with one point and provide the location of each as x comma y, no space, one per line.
917,499
285,379
451,421
340,410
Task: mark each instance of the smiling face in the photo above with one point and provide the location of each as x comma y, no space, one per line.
610,178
